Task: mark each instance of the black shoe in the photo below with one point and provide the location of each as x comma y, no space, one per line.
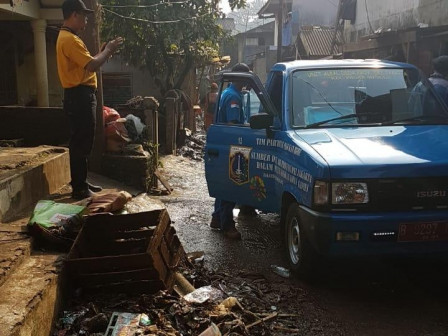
215,223
82,194
94,188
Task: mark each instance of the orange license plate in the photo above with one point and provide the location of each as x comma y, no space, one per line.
427,231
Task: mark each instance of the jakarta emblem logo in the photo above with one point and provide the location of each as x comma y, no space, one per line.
239,164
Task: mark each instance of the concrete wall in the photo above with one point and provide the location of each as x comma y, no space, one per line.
37,126
142,82
395,15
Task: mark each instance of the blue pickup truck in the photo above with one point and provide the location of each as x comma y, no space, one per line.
353,154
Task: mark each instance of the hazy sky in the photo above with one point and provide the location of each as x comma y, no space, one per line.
224,4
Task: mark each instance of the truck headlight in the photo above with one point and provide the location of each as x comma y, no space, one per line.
349,193
320,195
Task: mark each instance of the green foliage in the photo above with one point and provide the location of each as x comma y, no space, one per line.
152,149
167,38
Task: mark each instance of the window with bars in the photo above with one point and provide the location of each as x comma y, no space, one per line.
117,88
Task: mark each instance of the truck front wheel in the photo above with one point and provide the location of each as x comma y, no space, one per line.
302,257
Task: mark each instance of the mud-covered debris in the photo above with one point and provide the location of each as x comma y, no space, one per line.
194,146
282,271
244,307
95,324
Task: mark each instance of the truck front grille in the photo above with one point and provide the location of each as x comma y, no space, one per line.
408,194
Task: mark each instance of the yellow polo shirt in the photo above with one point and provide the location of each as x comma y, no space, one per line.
72,57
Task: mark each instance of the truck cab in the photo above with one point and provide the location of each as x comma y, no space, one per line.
353,154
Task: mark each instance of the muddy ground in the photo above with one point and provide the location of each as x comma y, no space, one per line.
374,297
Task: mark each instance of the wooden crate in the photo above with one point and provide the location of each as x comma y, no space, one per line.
132,252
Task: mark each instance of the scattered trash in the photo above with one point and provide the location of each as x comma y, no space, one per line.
203,294
142,203
144,320
56,224
283,272
211,331
181,285
110,202
123,324
248,313
196,257
193,147
94,324
230,302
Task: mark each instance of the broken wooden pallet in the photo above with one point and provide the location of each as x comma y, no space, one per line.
132,252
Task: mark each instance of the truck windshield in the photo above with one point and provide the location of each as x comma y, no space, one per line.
347,97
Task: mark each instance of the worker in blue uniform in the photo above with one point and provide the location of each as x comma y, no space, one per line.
230,112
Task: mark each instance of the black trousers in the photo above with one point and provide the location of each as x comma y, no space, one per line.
80,106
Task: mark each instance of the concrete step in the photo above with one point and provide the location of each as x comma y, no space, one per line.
14,248
28,175
30,297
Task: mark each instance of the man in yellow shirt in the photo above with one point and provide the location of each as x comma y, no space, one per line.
77,73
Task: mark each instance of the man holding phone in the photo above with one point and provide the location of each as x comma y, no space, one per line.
77,73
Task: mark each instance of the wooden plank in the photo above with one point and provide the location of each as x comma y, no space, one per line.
109,263
117,247
94,279
97,223
177,256
163,181
169,235
160,266
159,231
134,234
142,286
165,253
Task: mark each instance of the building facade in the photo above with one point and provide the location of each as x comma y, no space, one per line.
412,31
28,30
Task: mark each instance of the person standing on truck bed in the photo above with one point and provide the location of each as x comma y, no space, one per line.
77,73
230,112
420,101
439,77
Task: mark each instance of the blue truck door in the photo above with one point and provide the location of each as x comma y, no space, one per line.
237,159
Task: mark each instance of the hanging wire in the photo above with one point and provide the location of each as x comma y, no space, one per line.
146,6
155,22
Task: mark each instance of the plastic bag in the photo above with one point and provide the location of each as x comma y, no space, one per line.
110,114
203,294
50,214
139,126
116,135
56,224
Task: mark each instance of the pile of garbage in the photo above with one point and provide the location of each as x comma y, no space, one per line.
223,304
56,225
123,135
194,146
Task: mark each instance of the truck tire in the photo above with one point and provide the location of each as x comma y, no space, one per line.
303,258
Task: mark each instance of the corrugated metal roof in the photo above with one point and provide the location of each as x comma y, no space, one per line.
317,40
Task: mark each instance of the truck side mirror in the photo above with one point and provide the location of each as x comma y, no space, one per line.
261,121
